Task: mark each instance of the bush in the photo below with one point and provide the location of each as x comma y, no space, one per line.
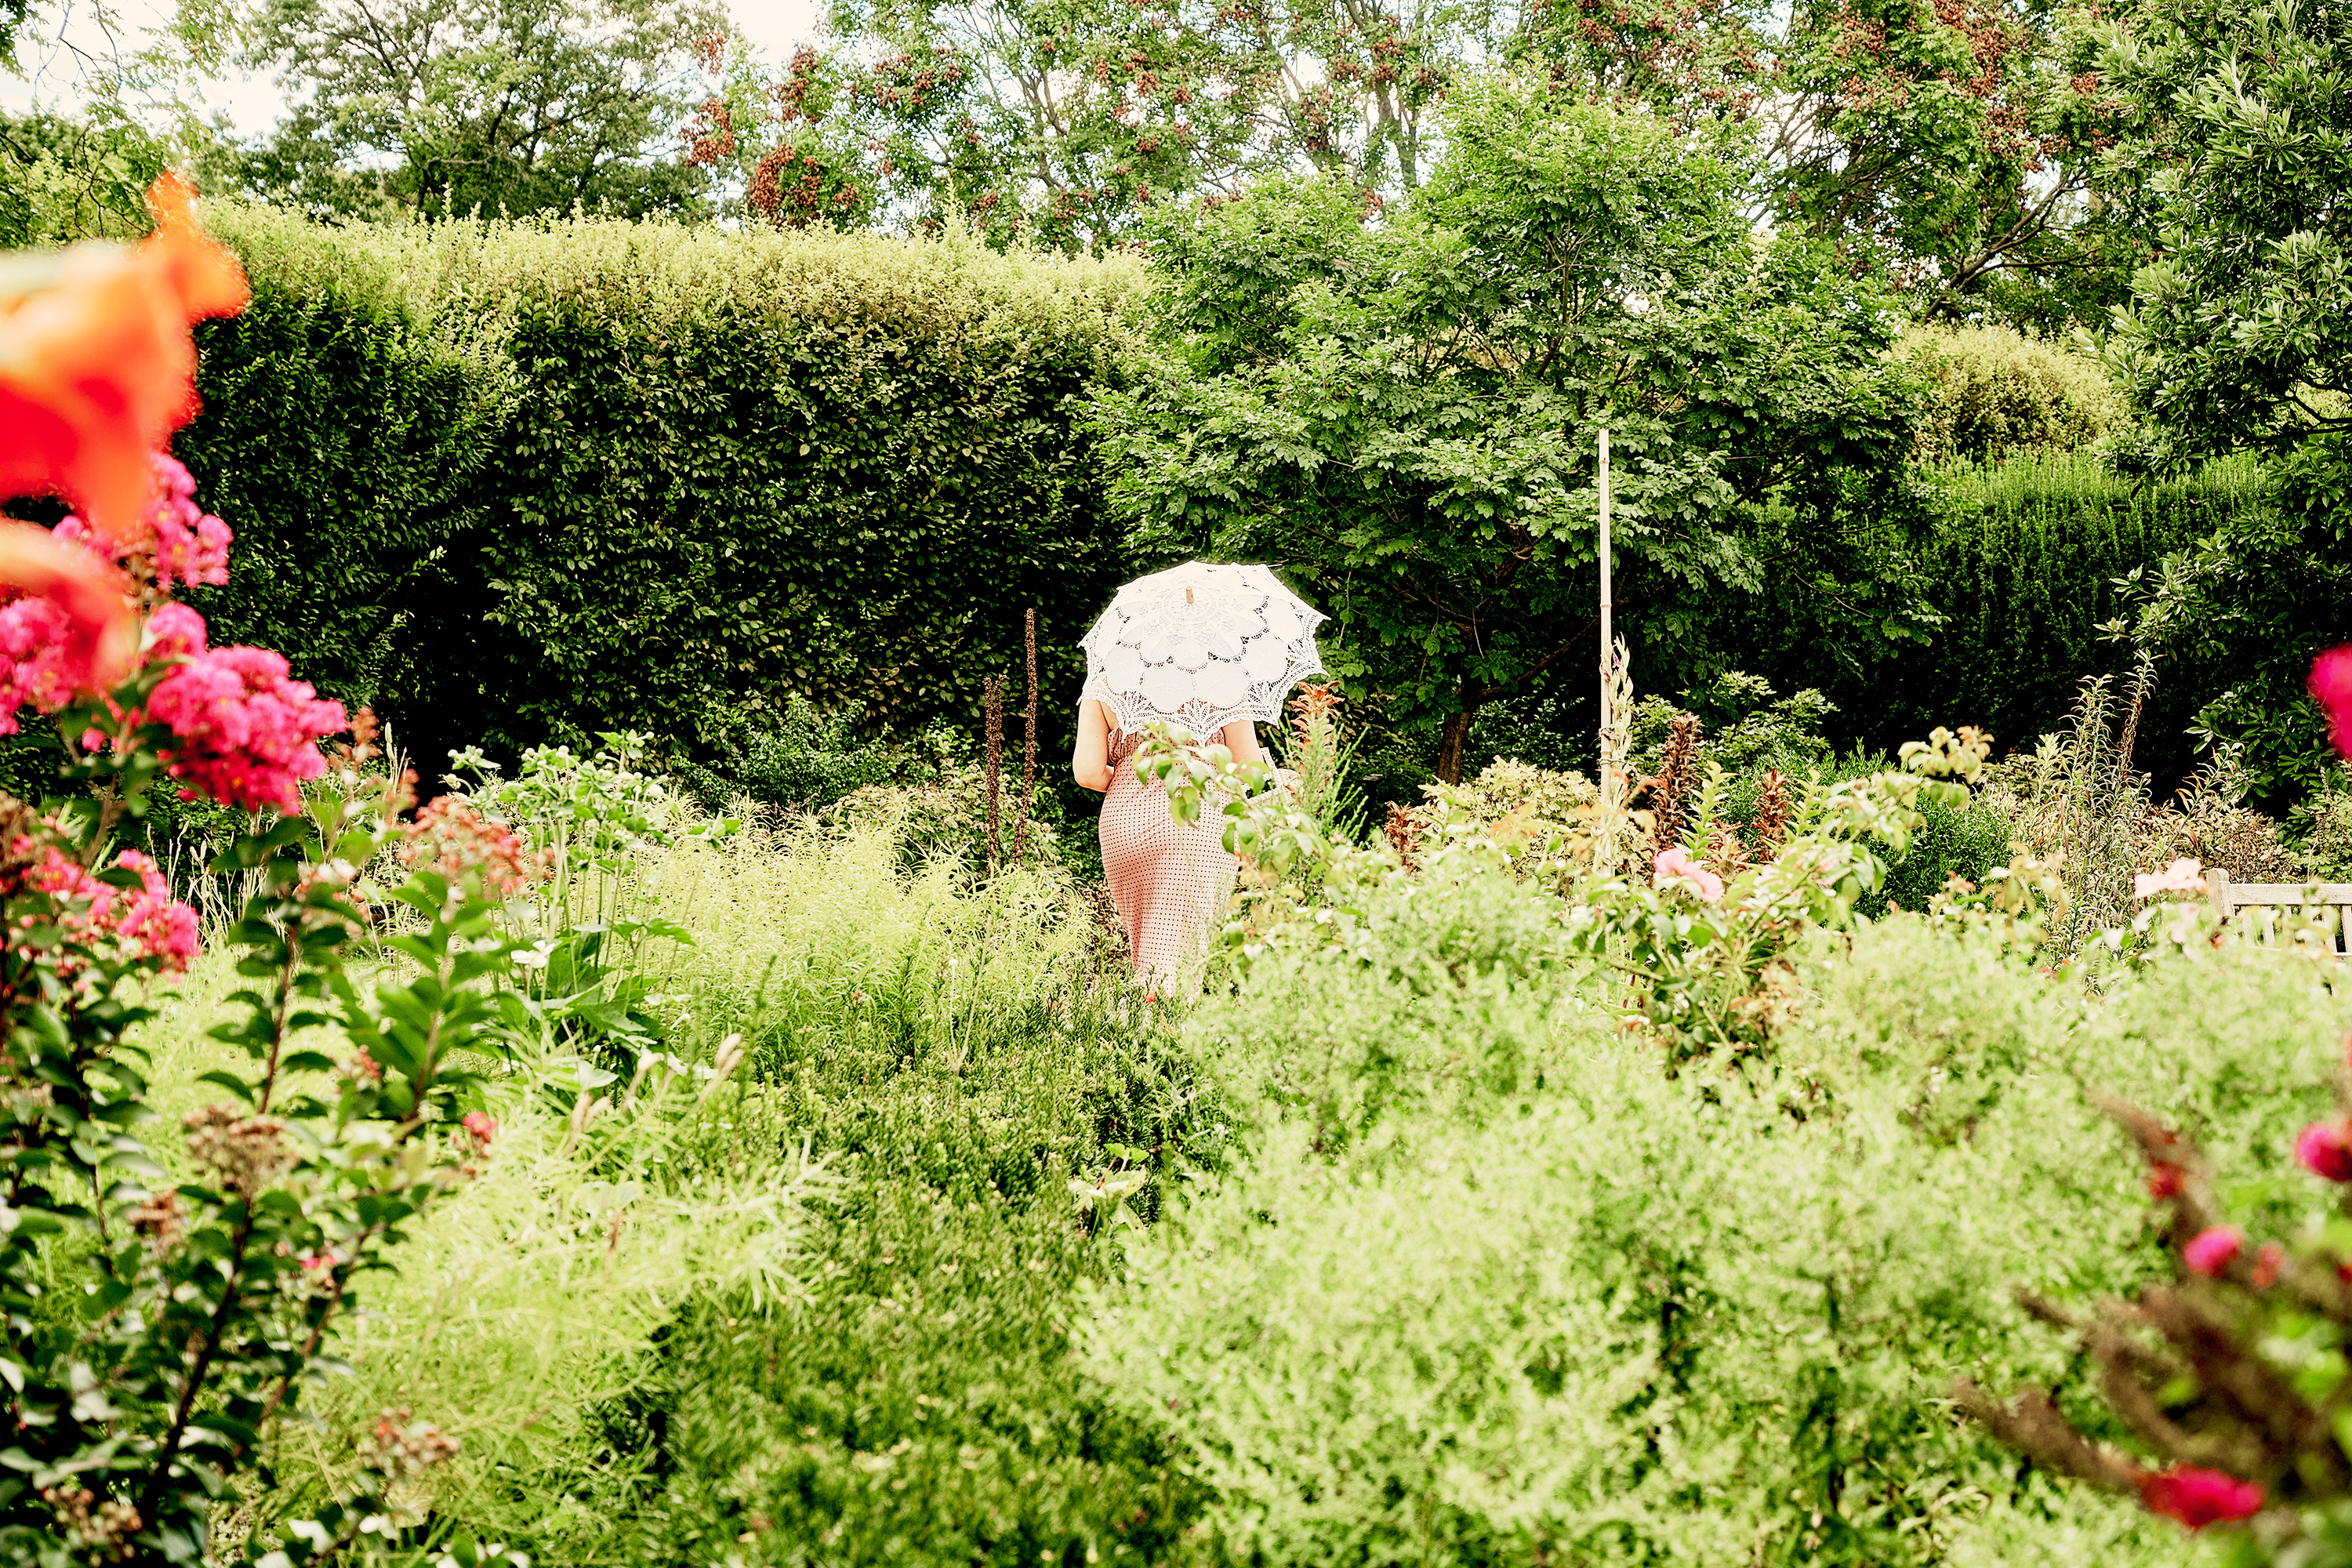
820,1311
527,482
2019,562
1483,1286
1995,393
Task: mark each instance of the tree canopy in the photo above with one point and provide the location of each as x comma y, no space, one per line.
1406,412
516,106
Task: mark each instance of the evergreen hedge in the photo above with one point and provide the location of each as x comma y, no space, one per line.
518,482
2020,560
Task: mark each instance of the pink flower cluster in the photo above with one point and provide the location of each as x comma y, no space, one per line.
2325,1149
452,838
151,923
2181,877
189,545
1679,865
242,731
2212,1251
36,669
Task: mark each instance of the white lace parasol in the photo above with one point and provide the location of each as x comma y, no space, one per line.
1201,646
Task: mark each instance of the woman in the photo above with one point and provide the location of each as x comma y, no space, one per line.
1169,881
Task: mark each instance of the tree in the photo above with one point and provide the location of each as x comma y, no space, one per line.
1404,413
1950,143
519,106
2237,156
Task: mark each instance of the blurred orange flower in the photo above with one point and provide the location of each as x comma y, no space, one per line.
97,368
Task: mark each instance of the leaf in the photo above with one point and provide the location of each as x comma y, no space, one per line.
229,1081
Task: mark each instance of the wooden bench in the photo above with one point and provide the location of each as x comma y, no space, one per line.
2332,900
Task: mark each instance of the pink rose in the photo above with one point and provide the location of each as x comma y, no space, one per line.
2199,1498
1678,865
2211,1250
2325,1149
2181,877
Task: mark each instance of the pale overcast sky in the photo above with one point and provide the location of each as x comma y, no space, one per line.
55,49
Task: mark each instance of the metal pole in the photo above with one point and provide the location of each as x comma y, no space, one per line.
1608,641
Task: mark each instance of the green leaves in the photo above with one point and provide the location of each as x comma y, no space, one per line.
1407,414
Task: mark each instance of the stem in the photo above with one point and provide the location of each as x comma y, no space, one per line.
282,1004
151,1499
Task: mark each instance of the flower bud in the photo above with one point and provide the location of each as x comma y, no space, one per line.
2325,1149
2212,1250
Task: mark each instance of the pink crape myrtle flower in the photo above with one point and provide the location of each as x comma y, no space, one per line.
151,921
2199,1498
242,731
175,631
1677,864
34,671
2325,1149
191,544
187,544
155,922
2184,876
2214,1249
2331,688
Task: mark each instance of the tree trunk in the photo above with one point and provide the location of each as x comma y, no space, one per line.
1450,749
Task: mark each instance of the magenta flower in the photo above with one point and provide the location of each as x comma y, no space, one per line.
2211,1250
2325,1149
155,923
2331,688
185,543
482,1125
175,631
2199,1498
191,545
1678,865
34,671
242,731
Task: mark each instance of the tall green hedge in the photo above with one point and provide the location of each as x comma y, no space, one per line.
516,482
2020,561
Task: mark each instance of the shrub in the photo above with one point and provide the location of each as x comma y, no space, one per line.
528,482
1501,1292
1994,393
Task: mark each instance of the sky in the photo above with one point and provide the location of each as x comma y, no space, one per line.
58,45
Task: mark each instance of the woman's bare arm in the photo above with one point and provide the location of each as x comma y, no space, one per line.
1240,738
1090,762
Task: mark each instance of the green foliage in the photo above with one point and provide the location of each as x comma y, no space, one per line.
518,485
1483,1287
433,108
1407,414
71,179
2236,337
1952,148
953,1061
804,758
2016,563
1996,393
